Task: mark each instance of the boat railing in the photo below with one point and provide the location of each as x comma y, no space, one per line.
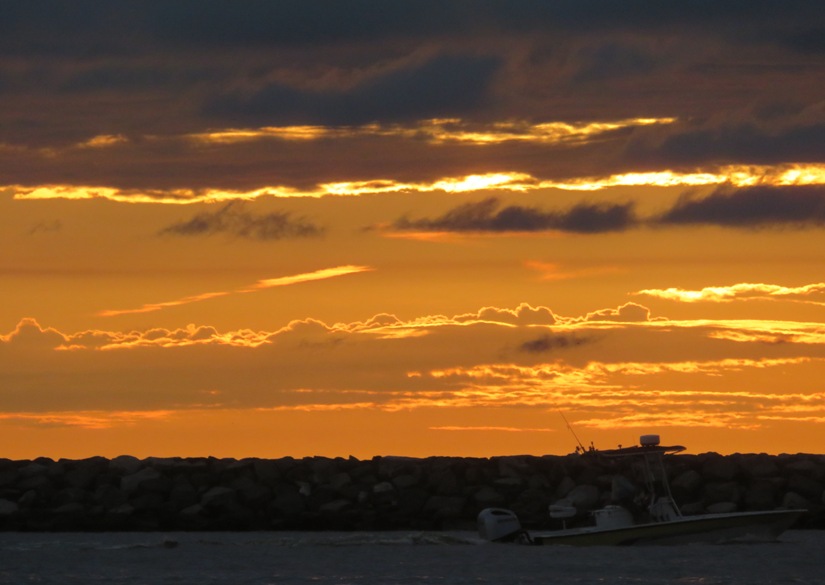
660,503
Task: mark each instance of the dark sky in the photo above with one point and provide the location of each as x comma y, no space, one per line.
742,78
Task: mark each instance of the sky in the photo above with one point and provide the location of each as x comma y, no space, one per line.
452,227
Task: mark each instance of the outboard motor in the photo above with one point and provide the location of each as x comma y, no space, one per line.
499,525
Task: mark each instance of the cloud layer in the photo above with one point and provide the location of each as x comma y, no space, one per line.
111,98
750,207
162,166
526,356
484,216
233,220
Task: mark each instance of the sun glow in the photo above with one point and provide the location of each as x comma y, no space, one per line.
233,135
738,176
436,130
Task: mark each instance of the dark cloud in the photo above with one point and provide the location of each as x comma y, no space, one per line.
743,143
649,15
613,60
751,207
157,69
296,22
46,23
807,41
549,342
51,27
486,216
234,221
130,78
447,85
46,227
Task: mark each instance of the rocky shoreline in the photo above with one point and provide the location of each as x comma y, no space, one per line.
383,493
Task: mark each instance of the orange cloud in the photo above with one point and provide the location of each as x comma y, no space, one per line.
103,141
29,332
627,313
427,236
696,419
260,285
523,323
554,271
299,133
322,274
90,420
742,291
610,369
150,307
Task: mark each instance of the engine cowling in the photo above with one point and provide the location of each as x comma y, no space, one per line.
499,525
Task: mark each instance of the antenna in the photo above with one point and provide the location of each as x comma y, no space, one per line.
564,418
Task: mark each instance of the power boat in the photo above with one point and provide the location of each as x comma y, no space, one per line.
648,515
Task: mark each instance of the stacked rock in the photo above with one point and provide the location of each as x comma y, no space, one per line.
383,493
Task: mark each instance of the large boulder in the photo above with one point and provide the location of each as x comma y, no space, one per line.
250,491
808,468
443,507
406,480
565,486
762,494
336,506
125,464
761,466
718,468
7,507
145,479
715,492
794,501
686,484
34,468
217,497
722,508
109,496
806,486
82,474
266,471
445,482
584,497
488,496
182,494
40,483
514,467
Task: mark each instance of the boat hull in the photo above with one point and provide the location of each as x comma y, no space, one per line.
710,528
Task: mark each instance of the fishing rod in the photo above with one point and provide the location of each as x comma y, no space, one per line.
570,427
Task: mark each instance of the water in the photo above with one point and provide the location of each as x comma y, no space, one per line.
403,558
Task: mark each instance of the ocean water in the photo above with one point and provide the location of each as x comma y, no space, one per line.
392,558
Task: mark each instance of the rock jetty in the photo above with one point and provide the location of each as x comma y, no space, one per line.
383,493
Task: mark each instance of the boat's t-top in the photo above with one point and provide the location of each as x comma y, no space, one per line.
647,444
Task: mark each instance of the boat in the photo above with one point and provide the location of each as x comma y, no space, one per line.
646,515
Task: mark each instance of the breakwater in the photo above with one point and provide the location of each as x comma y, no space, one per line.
383,493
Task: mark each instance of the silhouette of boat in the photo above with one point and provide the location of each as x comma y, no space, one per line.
650,515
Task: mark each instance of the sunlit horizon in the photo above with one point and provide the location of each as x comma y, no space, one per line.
278,231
